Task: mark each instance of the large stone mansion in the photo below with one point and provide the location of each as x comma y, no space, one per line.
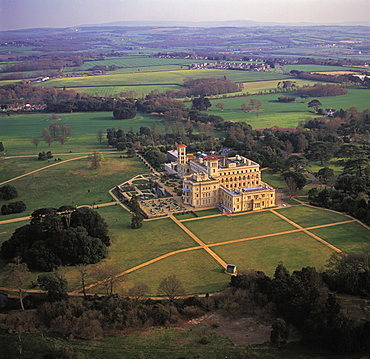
231,183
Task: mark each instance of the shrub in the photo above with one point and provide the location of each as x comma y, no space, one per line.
13,207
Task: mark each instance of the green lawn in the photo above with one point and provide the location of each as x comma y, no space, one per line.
224,228
296,250
310,217
349,237
197,270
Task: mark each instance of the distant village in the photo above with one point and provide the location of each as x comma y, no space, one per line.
246,66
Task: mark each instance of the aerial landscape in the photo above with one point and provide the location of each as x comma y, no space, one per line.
184,180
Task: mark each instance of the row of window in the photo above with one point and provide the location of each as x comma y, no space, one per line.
238,172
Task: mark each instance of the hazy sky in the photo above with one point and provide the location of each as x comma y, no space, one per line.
22,14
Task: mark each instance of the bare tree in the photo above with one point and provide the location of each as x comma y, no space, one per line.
107,275
172,287
292,186
138,290
62,139
16,274
220,105
35,141
47,136
95,162
82,270
99,136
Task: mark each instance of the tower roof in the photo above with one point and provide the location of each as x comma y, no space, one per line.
181,146
212,158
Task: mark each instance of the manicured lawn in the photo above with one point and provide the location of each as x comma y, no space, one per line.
296,250
349,237
197,270
208,212
223,228
310,217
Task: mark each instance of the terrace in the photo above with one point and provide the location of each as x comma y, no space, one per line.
157,195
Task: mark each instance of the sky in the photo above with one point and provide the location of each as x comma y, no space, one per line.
24,14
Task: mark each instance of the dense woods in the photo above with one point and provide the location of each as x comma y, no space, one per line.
54,237
320,90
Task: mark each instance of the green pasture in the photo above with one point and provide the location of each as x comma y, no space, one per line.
295,250
348,237
225,228
257,86
17,131
310,216
161,77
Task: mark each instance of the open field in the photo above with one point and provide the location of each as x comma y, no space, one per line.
84,128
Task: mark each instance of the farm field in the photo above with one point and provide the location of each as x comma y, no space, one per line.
112,91
135,62
318,68
161,77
